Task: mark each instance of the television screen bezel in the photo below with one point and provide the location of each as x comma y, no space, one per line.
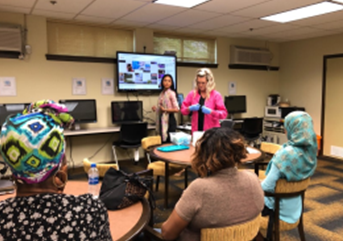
143,90
82,100
234,112
122,101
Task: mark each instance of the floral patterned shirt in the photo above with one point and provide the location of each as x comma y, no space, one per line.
54,217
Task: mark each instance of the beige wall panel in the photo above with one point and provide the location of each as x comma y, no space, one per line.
301,72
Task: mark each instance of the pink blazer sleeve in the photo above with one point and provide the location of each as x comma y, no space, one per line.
219,111
187,103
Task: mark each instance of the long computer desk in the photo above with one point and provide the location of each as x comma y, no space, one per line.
97,131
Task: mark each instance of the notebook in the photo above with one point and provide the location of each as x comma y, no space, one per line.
172,148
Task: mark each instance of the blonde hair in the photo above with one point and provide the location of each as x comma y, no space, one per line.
210,85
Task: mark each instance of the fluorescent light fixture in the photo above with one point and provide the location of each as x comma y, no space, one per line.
339,1
305,12
181,3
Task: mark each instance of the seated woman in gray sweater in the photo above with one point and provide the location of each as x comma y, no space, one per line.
222,196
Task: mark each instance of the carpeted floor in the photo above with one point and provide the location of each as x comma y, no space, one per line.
323,217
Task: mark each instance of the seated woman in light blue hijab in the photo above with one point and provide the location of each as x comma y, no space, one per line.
295,161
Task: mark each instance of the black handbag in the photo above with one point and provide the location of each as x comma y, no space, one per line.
120,190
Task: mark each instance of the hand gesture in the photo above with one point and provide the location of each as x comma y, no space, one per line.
195,107
206,110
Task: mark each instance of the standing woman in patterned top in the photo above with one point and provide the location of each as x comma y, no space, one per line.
33,146
166,107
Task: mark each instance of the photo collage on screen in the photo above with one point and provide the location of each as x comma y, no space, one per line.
143,71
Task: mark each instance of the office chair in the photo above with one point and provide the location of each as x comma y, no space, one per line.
252,129
131,135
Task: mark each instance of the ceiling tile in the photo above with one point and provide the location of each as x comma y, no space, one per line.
51,14
112,9
272,29
225,6
18,3
312,35
66,6
247,26
133,24
159,12
161,27
188,17
87,18
330,17
14,9
331,25
294,32
218,22
272,7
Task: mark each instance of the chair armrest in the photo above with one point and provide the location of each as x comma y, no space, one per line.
153,234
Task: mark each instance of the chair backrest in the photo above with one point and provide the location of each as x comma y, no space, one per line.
239,232
269,147
227,123
151,141
252,126
133,133
102,167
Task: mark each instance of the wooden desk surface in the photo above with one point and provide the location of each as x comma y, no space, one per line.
184,157
124,224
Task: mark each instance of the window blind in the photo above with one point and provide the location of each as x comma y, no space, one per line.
187,49
79,40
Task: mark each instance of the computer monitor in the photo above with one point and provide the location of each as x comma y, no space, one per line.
126,111
235,104
11,109
83,111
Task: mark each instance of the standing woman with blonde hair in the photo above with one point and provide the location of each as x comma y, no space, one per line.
205,103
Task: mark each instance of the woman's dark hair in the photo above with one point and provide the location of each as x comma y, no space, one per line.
172,87
217,149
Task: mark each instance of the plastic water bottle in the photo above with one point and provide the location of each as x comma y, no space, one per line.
93,181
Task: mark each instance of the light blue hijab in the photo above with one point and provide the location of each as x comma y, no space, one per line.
297,159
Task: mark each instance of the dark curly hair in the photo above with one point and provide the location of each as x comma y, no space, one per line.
218,148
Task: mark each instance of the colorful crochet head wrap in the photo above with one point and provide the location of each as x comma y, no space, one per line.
32,143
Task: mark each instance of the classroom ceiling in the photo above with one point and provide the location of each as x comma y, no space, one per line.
228,18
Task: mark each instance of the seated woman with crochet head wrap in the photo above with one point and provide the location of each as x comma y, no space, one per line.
222,196
33,145
295,161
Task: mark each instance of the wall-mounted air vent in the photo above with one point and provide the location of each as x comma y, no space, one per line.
250,56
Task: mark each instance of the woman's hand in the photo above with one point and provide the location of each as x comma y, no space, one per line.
154,108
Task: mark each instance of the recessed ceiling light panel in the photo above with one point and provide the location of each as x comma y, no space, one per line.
339,1
305,12
181,3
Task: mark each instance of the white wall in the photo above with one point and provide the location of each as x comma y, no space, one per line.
38,78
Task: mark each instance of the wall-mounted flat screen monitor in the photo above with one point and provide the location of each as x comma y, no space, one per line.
143,72
235,104
11,109
126,111
83,111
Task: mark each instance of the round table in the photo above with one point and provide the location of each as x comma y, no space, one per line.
184,157
125,224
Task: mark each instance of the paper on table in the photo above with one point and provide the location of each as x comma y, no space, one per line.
252,150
